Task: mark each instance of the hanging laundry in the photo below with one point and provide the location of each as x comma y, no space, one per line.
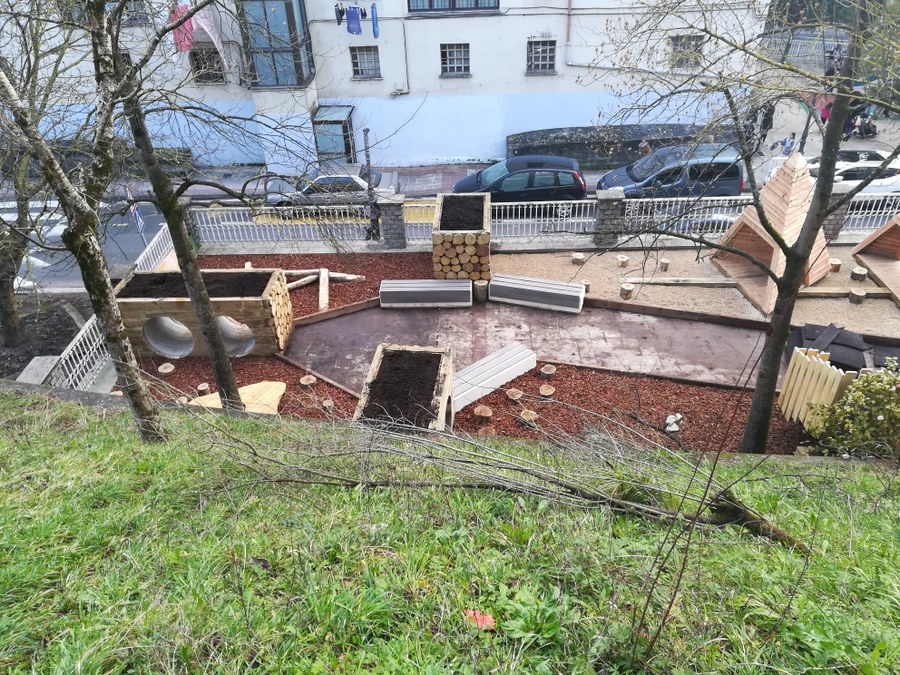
362,12
375,30
184,34
353,25
339,12
210,21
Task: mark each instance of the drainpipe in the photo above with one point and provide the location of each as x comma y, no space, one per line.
399,88
569,61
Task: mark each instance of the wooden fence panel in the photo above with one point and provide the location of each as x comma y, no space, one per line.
811,380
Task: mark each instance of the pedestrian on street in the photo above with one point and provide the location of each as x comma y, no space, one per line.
787,145
825,114
768,119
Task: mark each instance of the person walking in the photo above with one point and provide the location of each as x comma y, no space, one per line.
787,144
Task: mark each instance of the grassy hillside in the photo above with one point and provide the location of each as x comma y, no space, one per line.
119,557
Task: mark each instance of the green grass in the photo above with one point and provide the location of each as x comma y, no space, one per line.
119,557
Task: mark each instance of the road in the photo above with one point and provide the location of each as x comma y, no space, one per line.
50,269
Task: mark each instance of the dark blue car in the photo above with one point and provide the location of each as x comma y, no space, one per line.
528,178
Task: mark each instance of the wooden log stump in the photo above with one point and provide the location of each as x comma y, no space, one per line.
487,431
248,265
859,273
548,371
547,390
663,264
577,258
328,406
626,291
857,295
587,285
514,395
528,418
483,414
835,264
165,368
479,289
308,381
203,389
622,260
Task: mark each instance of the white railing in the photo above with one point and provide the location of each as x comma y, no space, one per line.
867,212
707,215
526,220
83,360
419,219
286,223
158,248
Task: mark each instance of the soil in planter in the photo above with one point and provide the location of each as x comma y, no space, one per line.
462,213
218,285
403,389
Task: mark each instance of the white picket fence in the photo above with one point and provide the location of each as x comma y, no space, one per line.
811,380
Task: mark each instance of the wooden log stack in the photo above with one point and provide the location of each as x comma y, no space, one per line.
458,255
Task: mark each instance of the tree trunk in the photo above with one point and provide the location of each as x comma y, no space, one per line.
187,259
13,335
81,240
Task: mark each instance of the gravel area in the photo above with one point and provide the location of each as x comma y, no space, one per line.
874,316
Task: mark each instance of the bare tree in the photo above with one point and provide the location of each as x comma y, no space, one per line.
710,63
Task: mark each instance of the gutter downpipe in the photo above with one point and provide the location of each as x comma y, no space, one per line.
569,61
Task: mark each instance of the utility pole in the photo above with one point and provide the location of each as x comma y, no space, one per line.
372,232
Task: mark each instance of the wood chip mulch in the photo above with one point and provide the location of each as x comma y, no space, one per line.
583,399
373,266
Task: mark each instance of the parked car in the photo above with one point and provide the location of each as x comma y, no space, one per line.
843,156
332,187
528,178
708,170
852,173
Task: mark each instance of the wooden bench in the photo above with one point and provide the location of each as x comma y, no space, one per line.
542,293
491,372
411,293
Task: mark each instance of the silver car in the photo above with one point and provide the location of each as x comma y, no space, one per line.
329,188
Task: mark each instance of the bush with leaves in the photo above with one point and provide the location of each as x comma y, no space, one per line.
867,419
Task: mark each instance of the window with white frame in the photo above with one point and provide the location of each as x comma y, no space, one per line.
366,65
278,43
206,65
540,58
455,59
687,51
451,5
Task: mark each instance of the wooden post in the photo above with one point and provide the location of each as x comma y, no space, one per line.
835,264
548,371
483,414
587,285
663,264
248,265
857,295
622,260
859,273
323,289
480,291
203,389
305,281
626,291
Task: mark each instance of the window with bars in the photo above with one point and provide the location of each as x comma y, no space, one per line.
455,59
687,51
540,58
366,65
277,43
451,5
206,66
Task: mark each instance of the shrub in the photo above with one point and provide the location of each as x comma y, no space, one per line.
867,419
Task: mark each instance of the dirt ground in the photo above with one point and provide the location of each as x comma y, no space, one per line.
50,328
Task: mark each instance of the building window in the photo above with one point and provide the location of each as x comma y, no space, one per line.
687,51
333,132
541,57
278,43
366,65
455,59
451,5
206,65
133,11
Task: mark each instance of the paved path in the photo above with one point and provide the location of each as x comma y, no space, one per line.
343,348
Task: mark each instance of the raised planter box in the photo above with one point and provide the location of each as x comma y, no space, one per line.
410,386
412,293
252,308
541,293
461,236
